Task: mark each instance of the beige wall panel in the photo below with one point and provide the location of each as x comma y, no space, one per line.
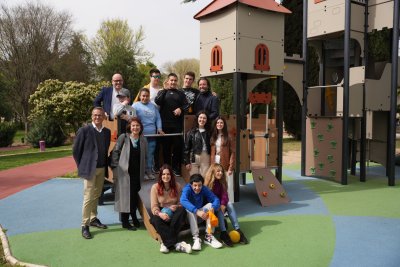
357,75
246,56
312,7
375,2
359,36
378,152
378,146
380,16
228,47
339,101
257,23
370,115
324,147
314,102
218,26
355,100
252,83
378,92
332,20
293,75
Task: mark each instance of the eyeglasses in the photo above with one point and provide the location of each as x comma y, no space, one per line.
97,116
156,76
118,81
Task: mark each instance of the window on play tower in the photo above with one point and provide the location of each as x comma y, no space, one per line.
262,58
216,59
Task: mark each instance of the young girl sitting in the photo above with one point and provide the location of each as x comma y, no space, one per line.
216,181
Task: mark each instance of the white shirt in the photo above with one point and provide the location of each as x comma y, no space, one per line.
204,141
218,143
94,125
114,100
153,94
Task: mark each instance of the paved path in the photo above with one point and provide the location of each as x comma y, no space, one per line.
15,180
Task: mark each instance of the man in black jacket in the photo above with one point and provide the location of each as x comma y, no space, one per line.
91,156
172,104
206,100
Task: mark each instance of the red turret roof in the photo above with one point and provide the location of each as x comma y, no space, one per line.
264,4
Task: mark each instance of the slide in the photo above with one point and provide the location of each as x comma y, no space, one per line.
269,190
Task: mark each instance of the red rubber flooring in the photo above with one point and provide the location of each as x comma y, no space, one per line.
14,180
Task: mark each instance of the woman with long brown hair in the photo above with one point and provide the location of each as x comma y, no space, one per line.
216,181
168,213
222,146
129,159
196,155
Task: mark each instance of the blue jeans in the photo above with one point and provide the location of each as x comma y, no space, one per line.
232,216
152,147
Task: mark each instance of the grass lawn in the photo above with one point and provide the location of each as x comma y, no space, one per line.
291,144
18,135
14,161
36,150
397,143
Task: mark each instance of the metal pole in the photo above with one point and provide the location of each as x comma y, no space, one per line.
322,79
236,111
354,147
392,117
242,113
346,72
304,108
364,117
266,139
279,119
251,140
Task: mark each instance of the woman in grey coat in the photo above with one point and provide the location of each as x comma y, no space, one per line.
128,161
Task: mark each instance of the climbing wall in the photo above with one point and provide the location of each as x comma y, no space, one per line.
324,147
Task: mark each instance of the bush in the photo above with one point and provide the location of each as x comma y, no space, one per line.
7,133
48,131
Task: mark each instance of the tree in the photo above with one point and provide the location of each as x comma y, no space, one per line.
77,64
68,103
121,60
182,66
145,70
32,37
6,109
116,32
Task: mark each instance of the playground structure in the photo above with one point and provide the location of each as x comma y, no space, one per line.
337,134
230,47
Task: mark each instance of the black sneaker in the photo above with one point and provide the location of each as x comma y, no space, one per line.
156,169
243,239
226,239
177,172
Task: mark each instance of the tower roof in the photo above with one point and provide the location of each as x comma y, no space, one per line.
263,4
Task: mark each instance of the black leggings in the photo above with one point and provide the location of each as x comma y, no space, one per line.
169,231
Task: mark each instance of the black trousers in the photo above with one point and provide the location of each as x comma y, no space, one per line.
169,231
133,204
167,142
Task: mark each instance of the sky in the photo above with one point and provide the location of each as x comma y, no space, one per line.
171,32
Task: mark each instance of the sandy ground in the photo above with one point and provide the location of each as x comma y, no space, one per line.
291,157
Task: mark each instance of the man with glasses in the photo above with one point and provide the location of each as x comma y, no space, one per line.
153,87
91,156
108,96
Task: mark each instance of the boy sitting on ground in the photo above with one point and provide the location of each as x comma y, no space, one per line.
192,198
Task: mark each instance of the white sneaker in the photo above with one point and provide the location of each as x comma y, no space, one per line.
146,177
150,175
212,241
196,243
183,247
163,248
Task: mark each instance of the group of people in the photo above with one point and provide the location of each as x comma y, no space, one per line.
158,110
